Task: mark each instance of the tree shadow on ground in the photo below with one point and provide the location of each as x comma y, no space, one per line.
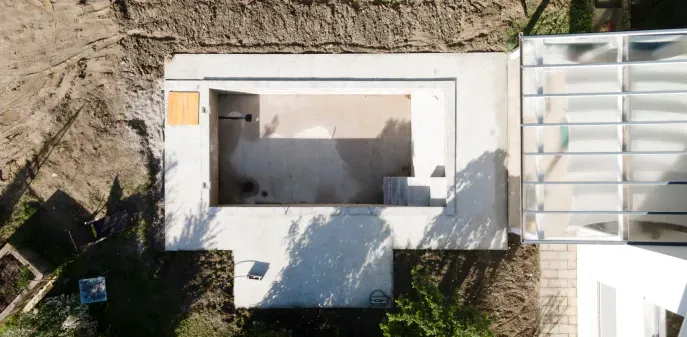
535,16
322,251
55,230
150,291
330,267
480,206
21,182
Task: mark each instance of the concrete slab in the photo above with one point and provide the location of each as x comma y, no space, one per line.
336,255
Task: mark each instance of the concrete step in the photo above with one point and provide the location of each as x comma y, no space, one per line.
415,191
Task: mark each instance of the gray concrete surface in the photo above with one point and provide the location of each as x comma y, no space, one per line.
312,149
327,256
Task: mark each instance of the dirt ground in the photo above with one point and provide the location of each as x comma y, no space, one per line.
81,119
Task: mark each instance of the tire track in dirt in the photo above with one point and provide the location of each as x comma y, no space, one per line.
60,56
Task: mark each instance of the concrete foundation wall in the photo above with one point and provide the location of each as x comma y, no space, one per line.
326,256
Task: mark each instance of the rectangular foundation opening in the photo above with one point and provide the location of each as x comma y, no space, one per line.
319,149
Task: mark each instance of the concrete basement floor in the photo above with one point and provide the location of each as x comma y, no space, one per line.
312,149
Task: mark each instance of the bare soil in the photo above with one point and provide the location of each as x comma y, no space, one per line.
504,284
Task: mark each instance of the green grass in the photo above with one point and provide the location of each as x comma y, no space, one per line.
25,209
25,276
576,17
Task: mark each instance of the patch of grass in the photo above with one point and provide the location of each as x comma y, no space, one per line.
574,18
25,209
25,276
205,324
581,16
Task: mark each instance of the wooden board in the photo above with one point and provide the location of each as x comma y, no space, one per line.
182,108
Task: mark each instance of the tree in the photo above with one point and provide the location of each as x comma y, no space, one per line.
432,314
61,316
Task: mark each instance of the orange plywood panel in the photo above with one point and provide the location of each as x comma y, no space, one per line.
182,108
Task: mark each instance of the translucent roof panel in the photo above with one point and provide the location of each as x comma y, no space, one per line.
604,137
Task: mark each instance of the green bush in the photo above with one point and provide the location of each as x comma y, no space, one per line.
25,276
432,314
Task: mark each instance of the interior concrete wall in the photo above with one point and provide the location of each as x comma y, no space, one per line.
428,129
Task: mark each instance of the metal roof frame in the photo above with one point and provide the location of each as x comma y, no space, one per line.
620,42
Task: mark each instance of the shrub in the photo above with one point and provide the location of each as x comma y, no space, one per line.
432,314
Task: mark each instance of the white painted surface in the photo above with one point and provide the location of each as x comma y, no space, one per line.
654,274
428,128
323,256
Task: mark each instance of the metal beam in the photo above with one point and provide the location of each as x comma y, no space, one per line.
603,64
607,212
651,183
626,153
607,94
610,34
606,123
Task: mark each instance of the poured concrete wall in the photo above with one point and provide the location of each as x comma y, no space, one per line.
428,128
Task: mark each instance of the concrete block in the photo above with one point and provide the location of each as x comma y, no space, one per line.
544,256
552,292
555,247
558,283
567,328
549,328
569,256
